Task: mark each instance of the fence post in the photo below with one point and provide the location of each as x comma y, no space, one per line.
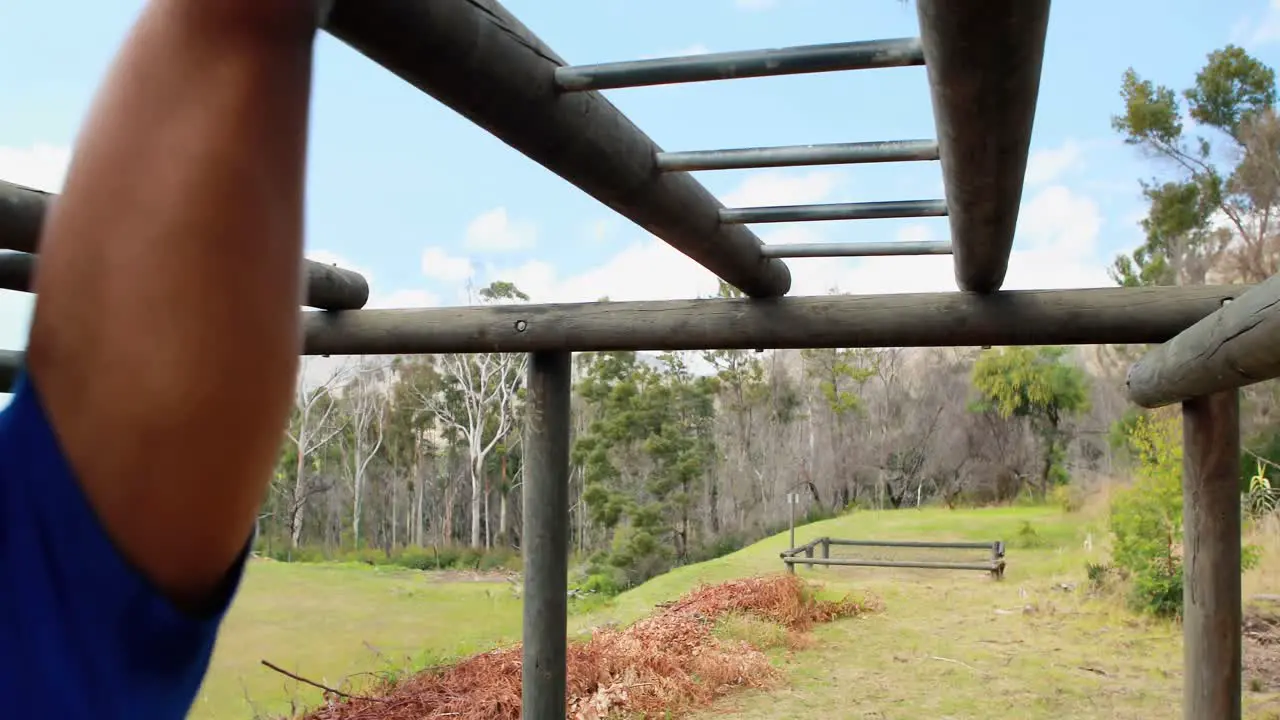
808,553
826,550
546,536
1212,615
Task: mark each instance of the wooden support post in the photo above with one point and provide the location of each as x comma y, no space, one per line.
808,553
1212,615
546,536
826,548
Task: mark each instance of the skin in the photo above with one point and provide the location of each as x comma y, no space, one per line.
166,332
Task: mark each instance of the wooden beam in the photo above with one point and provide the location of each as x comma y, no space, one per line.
328,287
1043,317
545,540
1212,614
22,211
1236,346
983,61
478,59
1028,317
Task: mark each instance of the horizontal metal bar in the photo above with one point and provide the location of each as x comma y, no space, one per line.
858,249
915,544
22,211
835,211
1121,316
986,567
983,61
1237,345
10,364
478,59
800,155
860,55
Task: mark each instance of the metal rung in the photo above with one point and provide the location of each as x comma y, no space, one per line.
835,211
797,155
858,249
862,55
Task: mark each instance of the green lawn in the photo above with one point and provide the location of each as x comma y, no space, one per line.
948,644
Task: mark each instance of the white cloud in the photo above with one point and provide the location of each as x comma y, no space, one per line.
438,264
1057,237
1259,31
780,187
1048,165
495,231
42,166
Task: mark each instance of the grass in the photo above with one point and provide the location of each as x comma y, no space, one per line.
949,644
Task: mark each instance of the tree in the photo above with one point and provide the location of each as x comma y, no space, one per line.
478,401
1036,384
365,403
314,423
1218,213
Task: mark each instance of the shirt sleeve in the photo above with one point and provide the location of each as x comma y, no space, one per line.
78,612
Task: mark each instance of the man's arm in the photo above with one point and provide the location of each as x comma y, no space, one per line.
166,331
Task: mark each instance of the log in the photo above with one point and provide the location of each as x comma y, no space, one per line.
328,287
475,57
1041,317
983,61
1211,595
22,212
545,541
1235,346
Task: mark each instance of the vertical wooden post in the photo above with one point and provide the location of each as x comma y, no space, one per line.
545,539
826,550
808,552
1212,615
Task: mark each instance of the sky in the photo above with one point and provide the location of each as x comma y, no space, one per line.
426,204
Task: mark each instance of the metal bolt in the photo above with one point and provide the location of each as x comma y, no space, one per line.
521,326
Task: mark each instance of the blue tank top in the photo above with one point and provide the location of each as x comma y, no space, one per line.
82,633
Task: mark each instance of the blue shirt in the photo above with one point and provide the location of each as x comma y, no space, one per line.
82,633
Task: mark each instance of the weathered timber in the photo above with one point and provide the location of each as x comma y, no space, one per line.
983,61
328,287
1236,346
475,57
940,545
10,365
1039,317
22,211
915,564
1211,595
545,539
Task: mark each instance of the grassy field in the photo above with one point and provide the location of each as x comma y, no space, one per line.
948,644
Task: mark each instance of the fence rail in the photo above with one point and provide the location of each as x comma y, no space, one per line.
793,556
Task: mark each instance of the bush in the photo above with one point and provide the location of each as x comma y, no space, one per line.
1068,497
1146,517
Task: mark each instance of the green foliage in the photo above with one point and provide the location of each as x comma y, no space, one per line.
1036,383
1233,95
644,456
1027,538
1068,497
1146,518
445,557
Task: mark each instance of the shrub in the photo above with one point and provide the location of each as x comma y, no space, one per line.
1146,517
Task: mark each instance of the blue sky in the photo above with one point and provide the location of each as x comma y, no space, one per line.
410,193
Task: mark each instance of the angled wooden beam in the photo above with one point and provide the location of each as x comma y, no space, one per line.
475,57
1237,345
22,211
983,61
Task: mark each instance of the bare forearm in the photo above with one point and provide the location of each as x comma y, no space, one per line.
166,333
